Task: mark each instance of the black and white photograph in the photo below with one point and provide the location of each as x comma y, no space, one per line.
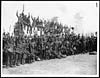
49,38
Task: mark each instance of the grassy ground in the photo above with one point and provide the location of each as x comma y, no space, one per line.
82,64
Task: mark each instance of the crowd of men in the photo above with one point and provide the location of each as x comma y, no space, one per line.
54,43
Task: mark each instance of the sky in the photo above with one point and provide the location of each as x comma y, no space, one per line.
83,15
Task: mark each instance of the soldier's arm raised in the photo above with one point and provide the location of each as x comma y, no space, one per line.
17,14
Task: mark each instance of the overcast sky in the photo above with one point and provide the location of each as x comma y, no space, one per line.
83,15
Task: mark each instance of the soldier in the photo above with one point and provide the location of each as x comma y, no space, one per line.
32,55
18,50
47,52
10,52
5,43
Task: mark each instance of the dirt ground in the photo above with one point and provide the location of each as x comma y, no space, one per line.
82,64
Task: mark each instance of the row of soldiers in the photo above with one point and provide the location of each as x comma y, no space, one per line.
24,49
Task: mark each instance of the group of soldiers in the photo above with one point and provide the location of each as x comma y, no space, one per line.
21,50
54,43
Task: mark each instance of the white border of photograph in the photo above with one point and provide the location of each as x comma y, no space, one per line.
7,75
